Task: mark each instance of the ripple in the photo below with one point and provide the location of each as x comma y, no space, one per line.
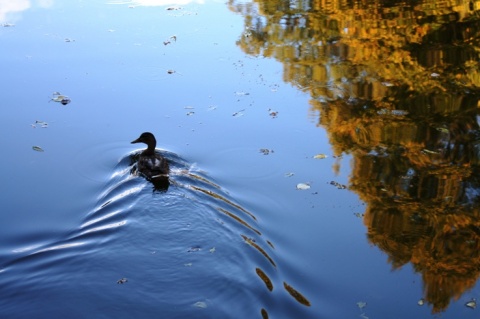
134,226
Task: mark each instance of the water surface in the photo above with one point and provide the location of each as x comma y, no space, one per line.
251,102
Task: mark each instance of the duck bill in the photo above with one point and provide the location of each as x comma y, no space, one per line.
136,141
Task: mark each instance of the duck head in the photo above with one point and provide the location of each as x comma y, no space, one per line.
149,139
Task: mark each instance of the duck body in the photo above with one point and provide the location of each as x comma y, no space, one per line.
150,163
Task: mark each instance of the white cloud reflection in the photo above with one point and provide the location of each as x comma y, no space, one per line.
10,9
156,3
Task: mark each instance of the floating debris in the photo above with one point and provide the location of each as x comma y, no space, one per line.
264,314
194,249
173,8
290,174
359,215
212,250
239,113
69,40
170,71
272,113
37,148
338,185
385,111
361,304
472,304
266,151
122,281
173,38
200,304
265,278
320,156
188,265
241,93
443,130
303,186
421,302
58,97
429,151
42,124
8,25
295,294
190,113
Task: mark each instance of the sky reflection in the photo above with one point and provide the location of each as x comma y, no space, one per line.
10,10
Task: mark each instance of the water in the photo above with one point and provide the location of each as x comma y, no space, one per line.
240,121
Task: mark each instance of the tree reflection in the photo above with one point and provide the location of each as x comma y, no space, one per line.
396,86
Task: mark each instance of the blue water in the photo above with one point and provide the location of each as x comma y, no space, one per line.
181,252
83,237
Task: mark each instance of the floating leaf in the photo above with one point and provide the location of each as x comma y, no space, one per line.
41,123
239,113
200,304
57,97
37,148
443,130
122,281
320,156
272,113
338,185
303,186
472,304
361,304
429,151
265,151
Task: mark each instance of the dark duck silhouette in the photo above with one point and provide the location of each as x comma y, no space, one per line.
151,164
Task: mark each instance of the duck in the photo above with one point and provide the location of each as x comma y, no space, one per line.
151,164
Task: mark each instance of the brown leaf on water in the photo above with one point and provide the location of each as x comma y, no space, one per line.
295,294
265,278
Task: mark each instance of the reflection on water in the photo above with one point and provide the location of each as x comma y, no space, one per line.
192,240
396,86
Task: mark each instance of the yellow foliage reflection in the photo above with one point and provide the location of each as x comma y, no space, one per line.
396,85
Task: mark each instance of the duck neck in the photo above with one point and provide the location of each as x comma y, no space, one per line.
150,149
